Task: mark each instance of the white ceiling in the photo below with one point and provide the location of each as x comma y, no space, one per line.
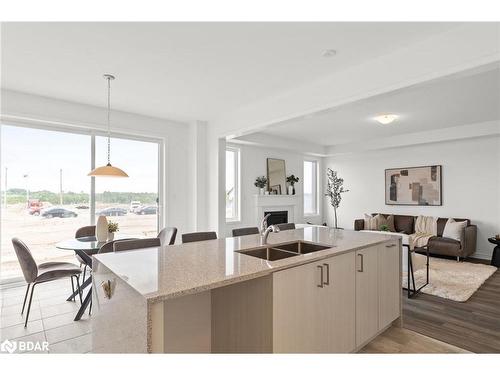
465,98
187,71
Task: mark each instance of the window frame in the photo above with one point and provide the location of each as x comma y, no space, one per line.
237,183
316,211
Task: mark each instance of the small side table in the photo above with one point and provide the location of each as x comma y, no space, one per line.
495,258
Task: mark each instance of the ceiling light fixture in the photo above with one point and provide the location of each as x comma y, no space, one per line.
329,53
108,170
386,119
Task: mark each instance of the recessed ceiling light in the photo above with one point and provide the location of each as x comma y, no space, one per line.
386,119
329,53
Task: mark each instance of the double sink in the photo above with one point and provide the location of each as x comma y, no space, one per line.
282,251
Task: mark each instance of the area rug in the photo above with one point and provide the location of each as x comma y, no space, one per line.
456,281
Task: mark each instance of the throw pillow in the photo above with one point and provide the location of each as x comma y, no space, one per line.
454,229
388,221
371,222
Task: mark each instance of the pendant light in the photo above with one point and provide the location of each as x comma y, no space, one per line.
108,170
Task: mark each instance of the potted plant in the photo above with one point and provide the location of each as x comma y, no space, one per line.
291,180
112,229
261,183
334,191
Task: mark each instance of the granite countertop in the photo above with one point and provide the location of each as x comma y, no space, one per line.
172,271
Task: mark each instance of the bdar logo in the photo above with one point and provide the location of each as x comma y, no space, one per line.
8,346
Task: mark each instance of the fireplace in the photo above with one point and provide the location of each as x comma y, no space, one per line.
277,217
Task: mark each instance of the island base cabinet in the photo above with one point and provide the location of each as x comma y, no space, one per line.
389,283
366,295
314,307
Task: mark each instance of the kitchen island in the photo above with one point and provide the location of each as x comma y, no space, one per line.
308,290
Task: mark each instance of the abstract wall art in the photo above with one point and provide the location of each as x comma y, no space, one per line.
413,186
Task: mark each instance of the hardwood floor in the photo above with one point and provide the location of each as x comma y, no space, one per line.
401,340
473,325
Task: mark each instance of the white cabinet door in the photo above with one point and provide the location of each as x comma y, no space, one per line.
389,283
298,311
366,294
311,315
341,306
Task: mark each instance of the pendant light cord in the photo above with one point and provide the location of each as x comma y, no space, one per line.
109,126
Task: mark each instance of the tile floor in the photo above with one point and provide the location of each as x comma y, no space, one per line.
51,318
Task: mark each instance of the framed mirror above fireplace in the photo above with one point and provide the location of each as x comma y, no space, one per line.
276,176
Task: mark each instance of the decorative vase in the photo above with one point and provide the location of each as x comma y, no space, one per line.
101,229
291,190
261,191
111,236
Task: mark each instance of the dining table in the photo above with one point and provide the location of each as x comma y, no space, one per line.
85,247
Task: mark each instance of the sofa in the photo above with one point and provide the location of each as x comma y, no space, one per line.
437,245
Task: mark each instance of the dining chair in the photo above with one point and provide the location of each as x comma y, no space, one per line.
41,273
286,226
167,236
87,231
245,231
142,243
198,236
107,247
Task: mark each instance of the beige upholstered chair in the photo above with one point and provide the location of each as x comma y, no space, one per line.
124,245
245,231
40,273
87,231
286,226
167,236
198,236
106,248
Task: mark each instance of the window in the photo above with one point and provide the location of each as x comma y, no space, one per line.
132,202
232,184
46,194
310,187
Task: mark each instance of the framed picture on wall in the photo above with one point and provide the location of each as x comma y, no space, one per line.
414,186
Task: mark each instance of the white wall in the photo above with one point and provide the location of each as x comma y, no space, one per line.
459,49
471,183
253,163
27,109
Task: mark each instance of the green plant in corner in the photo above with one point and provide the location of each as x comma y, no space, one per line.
261,182
334,191
112,227
384,228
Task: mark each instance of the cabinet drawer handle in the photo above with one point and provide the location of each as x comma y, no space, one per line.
327,282
391,245
361,257
320,285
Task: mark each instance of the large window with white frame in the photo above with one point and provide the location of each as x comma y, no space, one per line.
310,187
47,195
232,184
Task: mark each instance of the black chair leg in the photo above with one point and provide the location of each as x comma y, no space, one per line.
73,287
25,297
78,287
29,306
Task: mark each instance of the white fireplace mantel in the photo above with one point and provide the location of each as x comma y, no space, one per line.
289,203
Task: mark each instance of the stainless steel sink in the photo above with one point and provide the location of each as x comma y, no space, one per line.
268,253
301,247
